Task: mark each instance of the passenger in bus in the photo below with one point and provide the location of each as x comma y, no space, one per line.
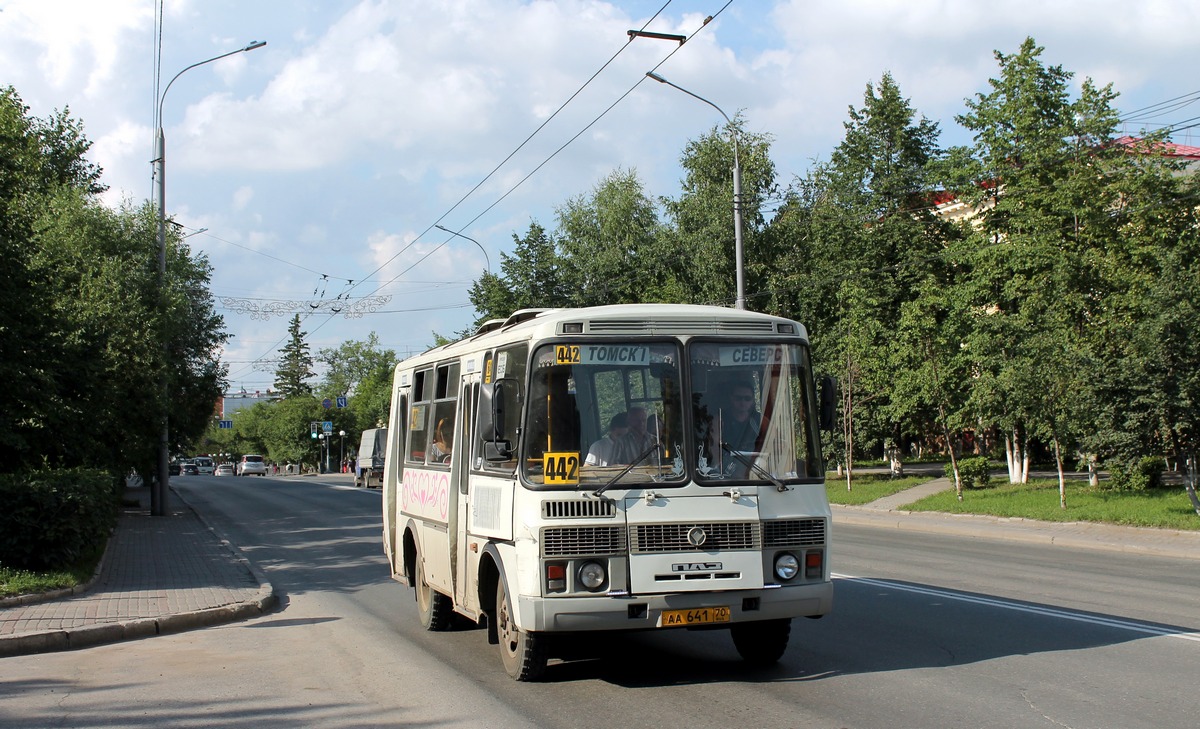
443,442
740,420
603,451
638,440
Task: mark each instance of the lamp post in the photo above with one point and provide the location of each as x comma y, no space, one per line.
460,235
158,495
740,303
342,443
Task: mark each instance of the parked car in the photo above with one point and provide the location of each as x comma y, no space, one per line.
224,469
173,468
189,469
252,465
204,465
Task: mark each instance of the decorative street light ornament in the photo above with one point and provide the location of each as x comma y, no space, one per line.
265,309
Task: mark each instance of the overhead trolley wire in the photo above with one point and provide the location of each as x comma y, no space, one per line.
553,154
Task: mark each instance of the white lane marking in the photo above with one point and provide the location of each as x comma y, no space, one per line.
1034,609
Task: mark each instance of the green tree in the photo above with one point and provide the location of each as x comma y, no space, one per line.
363,372
295,365
530,278
85,330
699,245
855,243
1045,174
609,245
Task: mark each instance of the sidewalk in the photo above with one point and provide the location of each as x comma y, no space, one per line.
174,573
160,575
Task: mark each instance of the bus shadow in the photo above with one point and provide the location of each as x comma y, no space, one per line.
875,627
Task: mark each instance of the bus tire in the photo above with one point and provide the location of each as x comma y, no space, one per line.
523,653
762,643
433,607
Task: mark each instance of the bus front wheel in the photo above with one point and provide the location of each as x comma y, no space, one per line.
761,643
523,653
432,606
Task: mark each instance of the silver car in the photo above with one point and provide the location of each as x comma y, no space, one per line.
252,465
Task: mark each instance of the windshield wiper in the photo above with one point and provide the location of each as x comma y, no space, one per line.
754,466
645,454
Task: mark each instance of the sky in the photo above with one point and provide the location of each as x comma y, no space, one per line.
312,172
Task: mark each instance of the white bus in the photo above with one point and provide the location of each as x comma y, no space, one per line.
707,510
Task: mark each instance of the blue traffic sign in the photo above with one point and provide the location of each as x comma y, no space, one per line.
327,426
225,425
341,401
327,403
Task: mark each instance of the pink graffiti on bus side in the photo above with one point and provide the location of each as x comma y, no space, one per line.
426,492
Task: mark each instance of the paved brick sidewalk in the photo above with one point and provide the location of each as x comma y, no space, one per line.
160,574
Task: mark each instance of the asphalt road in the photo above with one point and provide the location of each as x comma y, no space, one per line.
927,631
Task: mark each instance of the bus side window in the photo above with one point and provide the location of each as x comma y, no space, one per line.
418,417
441,437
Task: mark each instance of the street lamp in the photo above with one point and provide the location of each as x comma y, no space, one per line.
460,235
158,495
342,443
737,192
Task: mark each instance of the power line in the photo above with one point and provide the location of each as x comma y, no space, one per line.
510,156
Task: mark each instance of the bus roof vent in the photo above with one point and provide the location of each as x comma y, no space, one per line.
689,326
490,325
523,315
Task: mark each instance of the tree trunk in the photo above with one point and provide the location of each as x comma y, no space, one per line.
1190,482
1062,480
1026,457
958,491
848,420
1012,455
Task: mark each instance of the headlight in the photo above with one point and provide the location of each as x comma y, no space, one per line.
786,566
591,575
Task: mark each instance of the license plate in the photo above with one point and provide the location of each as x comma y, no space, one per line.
695,616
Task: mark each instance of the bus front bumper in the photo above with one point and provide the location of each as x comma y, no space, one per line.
641,612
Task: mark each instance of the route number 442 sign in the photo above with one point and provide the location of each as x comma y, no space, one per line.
560,468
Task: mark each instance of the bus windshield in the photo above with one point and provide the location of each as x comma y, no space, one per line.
617,414
752,412
596,409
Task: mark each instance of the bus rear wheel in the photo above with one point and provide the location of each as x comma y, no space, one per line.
762,643
523,653
433,607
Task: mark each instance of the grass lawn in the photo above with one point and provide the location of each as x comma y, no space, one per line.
1165,508
22,582
867,487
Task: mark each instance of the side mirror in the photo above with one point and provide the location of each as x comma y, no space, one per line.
828,397
492,397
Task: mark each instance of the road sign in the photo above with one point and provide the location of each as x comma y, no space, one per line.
327,403
225,425
341,401
327,426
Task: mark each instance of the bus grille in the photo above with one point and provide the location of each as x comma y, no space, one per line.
793,532
582,541
651,538
576,509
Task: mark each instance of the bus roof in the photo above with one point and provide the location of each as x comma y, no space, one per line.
616,320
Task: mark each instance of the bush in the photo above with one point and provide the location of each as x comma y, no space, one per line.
975,472
52,518
1142,475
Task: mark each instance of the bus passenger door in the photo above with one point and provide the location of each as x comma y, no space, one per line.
463,561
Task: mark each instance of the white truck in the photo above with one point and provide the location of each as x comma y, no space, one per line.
368,468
